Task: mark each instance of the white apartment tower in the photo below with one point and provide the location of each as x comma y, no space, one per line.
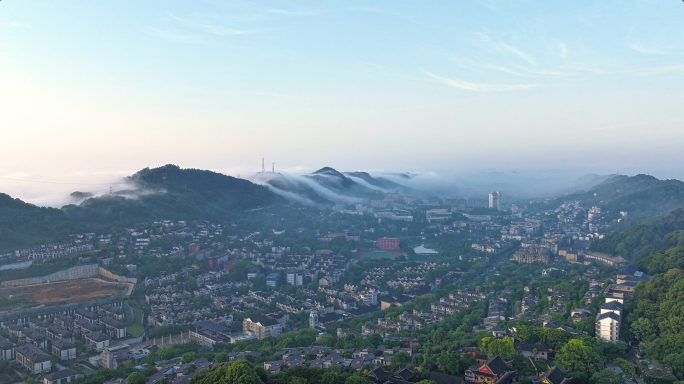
313,319
608,321
495,200
370,297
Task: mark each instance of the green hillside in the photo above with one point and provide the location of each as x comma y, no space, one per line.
639,241
23,224
170,192
644,198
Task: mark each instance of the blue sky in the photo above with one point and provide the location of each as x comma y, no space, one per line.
111,87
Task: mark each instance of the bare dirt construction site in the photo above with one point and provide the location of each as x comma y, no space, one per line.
62,292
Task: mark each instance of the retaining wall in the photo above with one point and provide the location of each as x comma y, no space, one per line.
73,273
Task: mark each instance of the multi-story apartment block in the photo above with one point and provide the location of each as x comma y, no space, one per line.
370,297
608,321
295,277
262,326
388,243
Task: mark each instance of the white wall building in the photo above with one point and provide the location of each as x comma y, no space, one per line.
608,321
495,200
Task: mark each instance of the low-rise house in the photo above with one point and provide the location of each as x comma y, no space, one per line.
88,316
493,371
64,349
553,376
378,375
64,321
58,332
97,340
60,377
36,338
442,378
33,359
115,313
536,351
83,327
16,330
6,349
114,328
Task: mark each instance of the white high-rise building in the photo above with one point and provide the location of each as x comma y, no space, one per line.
495,200
370,297
608,321
313,319
295,277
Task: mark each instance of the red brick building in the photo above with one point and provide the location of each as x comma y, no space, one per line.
388,244
216,262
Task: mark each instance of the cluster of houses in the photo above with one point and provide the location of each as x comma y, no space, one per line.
35,339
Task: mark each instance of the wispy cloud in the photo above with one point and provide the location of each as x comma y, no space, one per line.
515,51
214,29
221,31
506,48
309,12
173,36
378,66
479,87
647,50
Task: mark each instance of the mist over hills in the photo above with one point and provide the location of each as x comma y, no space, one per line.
328,186
171,192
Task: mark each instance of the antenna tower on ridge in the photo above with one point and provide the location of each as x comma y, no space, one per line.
273,169
263,167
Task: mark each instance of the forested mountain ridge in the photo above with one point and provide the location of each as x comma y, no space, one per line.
174,193
634,200
22,224
167,192
639,241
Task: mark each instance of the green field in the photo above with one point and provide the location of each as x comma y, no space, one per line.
378,255
136,329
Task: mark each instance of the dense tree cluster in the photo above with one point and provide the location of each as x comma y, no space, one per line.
656,318
23,224
639,241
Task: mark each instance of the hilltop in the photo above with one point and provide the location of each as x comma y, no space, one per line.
327,186
172,192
